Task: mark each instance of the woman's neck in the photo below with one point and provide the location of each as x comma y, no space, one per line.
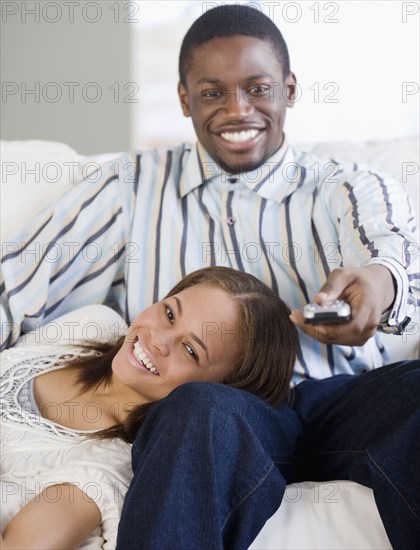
117,398
97,408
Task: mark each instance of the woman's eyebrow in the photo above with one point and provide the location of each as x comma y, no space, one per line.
200,343
193,336
178,305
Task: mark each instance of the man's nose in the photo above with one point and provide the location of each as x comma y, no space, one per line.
236,104
160,340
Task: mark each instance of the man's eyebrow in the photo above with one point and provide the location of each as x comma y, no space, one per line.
193,336
258,76
212,80
208,80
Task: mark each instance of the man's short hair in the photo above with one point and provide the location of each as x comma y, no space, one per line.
230,20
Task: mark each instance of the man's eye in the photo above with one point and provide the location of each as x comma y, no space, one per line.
211,94
258,90
170,314
191,351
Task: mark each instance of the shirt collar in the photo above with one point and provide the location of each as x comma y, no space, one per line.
276,178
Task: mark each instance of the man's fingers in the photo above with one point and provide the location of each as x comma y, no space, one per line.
350,333
328,334
353,286
323,333
337,282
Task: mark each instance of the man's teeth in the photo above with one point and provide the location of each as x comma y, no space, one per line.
141,356
239,137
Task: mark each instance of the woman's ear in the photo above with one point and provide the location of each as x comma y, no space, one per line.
183,98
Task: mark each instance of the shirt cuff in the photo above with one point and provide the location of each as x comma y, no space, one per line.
395,319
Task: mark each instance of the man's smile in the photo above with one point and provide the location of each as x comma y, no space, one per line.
239,136
239,140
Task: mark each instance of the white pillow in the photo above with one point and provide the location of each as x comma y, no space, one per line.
33,174
339,515
36,172
399,157
95,322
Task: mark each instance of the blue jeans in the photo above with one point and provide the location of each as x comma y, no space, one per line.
211,463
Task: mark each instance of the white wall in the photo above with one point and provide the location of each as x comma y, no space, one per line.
352,71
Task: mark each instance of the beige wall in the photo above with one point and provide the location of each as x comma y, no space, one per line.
89,49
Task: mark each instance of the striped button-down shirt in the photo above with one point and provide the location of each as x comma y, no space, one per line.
126,234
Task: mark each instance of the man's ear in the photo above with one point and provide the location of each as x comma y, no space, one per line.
290,90
183,98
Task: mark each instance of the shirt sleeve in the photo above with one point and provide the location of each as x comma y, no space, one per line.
71,255
102,470
377,225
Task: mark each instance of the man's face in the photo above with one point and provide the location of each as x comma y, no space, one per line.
237,99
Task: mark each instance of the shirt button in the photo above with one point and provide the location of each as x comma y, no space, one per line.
231,220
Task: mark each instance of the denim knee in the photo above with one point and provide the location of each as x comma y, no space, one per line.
208,396
197,404
196,408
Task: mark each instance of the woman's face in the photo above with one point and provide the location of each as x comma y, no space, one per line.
191,336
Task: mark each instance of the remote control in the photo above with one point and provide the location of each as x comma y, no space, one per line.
337,311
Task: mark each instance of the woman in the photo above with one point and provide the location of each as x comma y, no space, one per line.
217,325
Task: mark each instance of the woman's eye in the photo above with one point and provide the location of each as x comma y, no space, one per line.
191,351
170,314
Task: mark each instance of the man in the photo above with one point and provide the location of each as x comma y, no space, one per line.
211,463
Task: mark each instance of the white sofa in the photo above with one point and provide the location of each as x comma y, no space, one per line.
330,515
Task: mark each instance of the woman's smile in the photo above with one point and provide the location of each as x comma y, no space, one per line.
142,357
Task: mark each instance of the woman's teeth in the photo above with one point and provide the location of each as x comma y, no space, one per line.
141,356
239,137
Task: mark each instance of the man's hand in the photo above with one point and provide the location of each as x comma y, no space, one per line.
368,290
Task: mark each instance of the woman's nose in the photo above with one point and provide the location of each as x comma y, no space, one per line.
160,340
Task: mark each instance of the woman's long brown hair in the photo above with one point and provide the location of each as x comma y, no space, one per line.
264,366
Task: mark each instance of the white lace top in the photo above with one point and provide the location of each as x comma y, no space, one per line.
37,452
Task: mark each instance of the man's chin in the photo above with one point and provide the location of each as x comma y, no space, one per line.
237,167
246,162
